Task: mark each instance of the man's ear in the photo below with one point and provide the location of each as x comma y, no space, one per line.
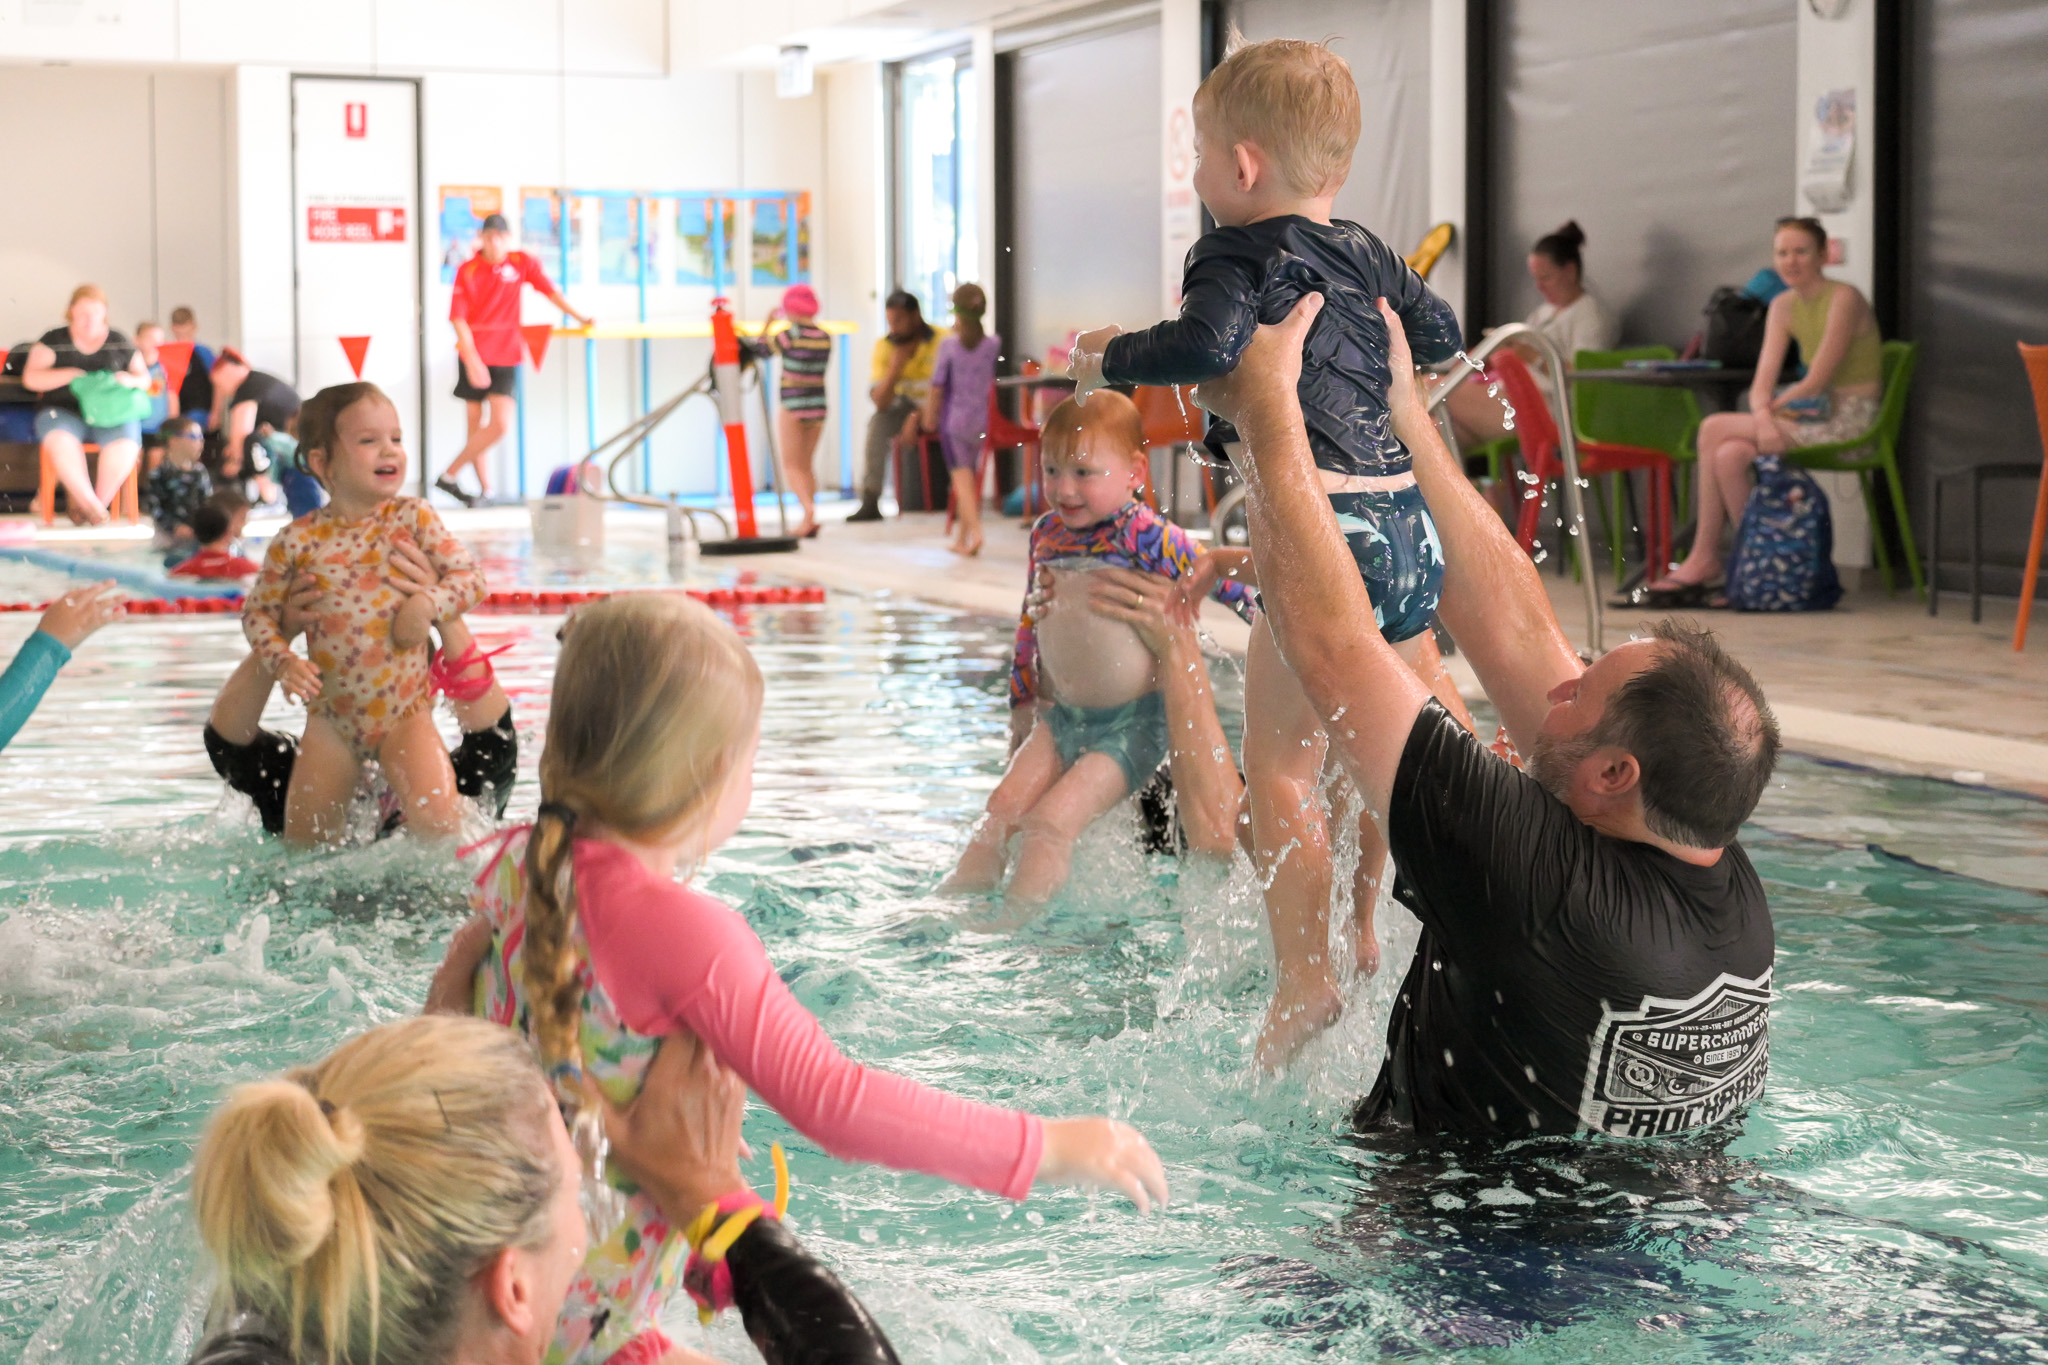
507,1290
1615,773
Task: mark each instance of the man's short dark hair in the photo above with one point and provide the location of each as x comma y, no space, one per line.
1702,734
209,523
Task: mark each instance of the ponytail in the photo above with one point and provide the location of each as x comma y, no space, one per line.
548,964
355,1199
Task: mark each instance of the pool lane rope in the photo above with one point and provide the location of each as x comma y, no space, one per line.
519,602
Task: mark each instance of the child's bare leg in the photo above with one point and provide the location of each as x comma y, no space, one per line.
415,763
323,782
1283,759
1033,769
1046,856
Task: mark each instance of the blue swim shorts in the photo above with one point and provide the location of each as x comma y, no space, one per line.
1394,541
64,419
1133,734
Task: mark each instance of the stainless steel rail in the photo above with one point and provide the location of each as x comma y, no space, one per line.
1469,362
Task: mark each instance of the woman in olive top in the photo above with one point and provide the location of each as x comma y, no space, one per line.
1836,401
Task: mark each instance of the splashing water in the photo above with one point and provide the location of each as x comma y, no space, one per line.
1884,1202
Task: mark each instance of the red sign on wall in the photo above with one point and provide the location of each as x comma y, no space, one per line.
356,119
335,223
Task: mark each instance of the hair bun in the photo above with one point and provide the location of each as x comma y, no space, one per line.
1572,232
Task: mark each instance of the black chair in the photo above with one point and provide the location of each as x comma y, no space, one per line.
1976,474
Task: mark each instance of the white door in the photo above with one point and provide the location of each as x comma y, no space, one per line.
356,236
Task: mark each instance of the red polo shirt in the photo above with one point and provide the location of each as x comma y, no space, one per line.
487,298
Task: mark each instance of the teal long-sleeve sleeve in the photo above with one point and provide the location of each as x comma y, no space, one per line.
26,679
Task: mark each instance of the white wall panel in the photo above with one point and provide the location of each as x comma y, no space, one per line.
193,254
620,37
329,34
470,35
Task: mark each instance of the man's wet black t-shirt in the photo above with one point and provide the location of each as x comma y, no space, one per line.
1565,981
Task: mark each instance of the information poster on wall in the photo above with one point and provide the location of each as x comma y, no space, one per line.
779,258
707,228
463,210
618,241
540,233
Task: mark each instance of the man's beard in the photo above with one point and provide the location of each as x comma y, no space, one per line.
1553,761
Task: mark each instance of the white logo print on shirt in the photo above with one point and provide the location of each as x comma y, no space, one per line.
1676,1064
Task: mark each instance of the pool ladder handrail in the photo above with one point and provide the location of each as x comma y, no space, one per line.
680,514
1469,362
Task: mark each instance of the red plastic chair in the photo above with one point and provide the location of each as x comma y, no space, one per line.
1006,433
1537,429
925,443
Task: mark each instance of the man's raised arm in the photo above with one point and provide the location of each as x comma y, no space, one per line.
1493,601
1315,602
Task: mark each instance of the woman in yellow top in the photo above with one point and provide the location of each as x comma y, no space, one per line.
902,374
1836,401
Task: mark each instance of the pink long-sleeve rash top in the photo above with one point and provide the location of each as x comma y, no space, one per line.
673,958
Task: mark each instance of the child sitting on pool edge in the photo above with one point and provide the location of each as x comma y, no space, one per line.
365,686
597,952
1088,684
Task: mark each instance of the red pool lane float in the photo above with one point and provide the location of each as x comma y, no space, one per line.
548,602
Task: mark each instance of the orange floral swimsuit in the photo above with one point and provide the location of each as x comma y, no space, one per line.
366,685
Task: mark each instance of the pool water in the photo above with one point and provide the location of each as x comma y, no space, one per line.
1887,1200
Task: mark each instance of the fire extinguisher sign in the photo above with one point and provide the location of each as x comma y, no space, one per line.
356,119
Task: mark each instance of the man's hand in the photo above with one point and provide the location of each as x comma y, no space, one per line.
680,1137
1268,370
301,606
80,612
1084,362
478,373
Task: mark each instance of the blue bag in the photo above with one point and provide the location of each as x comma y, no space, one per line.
1784,549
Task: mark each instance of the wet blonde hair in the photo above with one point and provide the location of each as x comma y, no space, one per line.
1293,100
1107,415
353,1199
656,704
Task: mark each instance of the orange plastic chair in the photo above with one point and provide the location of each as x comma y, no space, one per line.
127,503
1171,419
2036,360
1540,454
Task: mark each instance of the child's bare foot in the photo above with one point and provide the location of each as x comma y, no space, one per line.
1365,947
1299,1012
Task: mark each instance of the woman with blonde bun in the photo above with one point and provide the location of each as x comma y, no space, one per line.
415,1198
598,951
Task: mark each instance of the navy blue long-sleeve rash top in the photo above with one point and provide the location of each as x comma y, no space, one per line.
1239,277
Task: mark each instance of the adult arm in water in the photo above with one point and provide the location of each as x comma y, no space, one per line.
64,626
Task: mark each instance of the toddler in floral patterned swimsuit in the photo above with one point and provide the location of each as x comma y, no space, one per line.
365,687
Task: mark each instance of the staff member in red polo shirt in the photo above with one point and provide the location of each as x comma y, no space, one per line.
485,311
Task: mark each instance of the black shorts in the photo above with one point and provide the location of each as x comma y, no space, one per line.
484,763
503,380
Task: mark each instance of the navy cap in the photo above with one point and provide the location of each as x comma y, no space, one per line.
495,223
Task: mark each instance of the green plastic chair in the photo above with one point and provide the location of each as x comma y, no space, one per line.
1648,416
1878,450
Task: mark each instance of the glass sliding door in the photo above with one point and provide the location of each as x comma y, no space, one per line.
936,237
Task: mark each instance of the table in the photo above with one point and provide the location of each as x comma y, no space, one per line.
1669,379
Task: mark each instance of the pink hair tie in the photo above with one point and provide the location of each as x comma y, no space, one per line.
448,675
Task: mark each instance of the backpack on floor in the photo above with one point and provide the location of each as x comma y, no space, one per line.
1784,549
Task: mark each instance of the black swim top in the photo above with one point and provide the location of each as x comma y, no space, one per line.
1239,277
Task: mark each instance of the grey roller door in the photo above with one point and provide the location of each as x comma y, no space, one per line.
1975,264
1084,185
1664,129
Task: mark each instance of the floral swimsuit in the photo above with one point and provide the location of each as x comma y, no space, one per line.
366,685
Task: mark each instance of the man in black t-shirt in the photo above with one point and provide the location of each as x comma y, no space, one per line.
1596,949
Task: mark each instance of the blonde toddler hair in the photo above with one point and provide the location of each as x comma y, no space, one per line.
353,1199
656,703
1105,423
1295,101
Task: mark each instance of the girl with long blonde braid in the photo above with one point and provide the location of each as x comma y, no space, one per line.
597,950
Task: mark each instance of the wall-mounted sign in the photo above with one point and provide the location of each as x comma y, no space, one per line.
355,223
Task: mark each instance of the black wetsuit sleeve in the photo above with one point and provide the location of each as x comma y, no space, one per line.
1219,312
1484,850
1432,328
796,1311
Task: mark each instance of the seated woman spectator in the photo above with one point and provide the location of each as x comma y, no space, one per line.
415,1196
1570,317
61,357
1837,400
902,374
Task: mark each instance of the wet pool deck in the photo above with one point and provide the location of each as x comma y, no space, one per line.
1876,681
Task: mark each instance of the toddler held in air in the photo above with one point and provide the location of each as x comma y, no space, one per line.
1275,126
365,683
1087,684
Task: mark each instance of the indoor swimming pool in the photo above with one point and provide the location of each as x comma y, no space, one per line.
1887,1200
